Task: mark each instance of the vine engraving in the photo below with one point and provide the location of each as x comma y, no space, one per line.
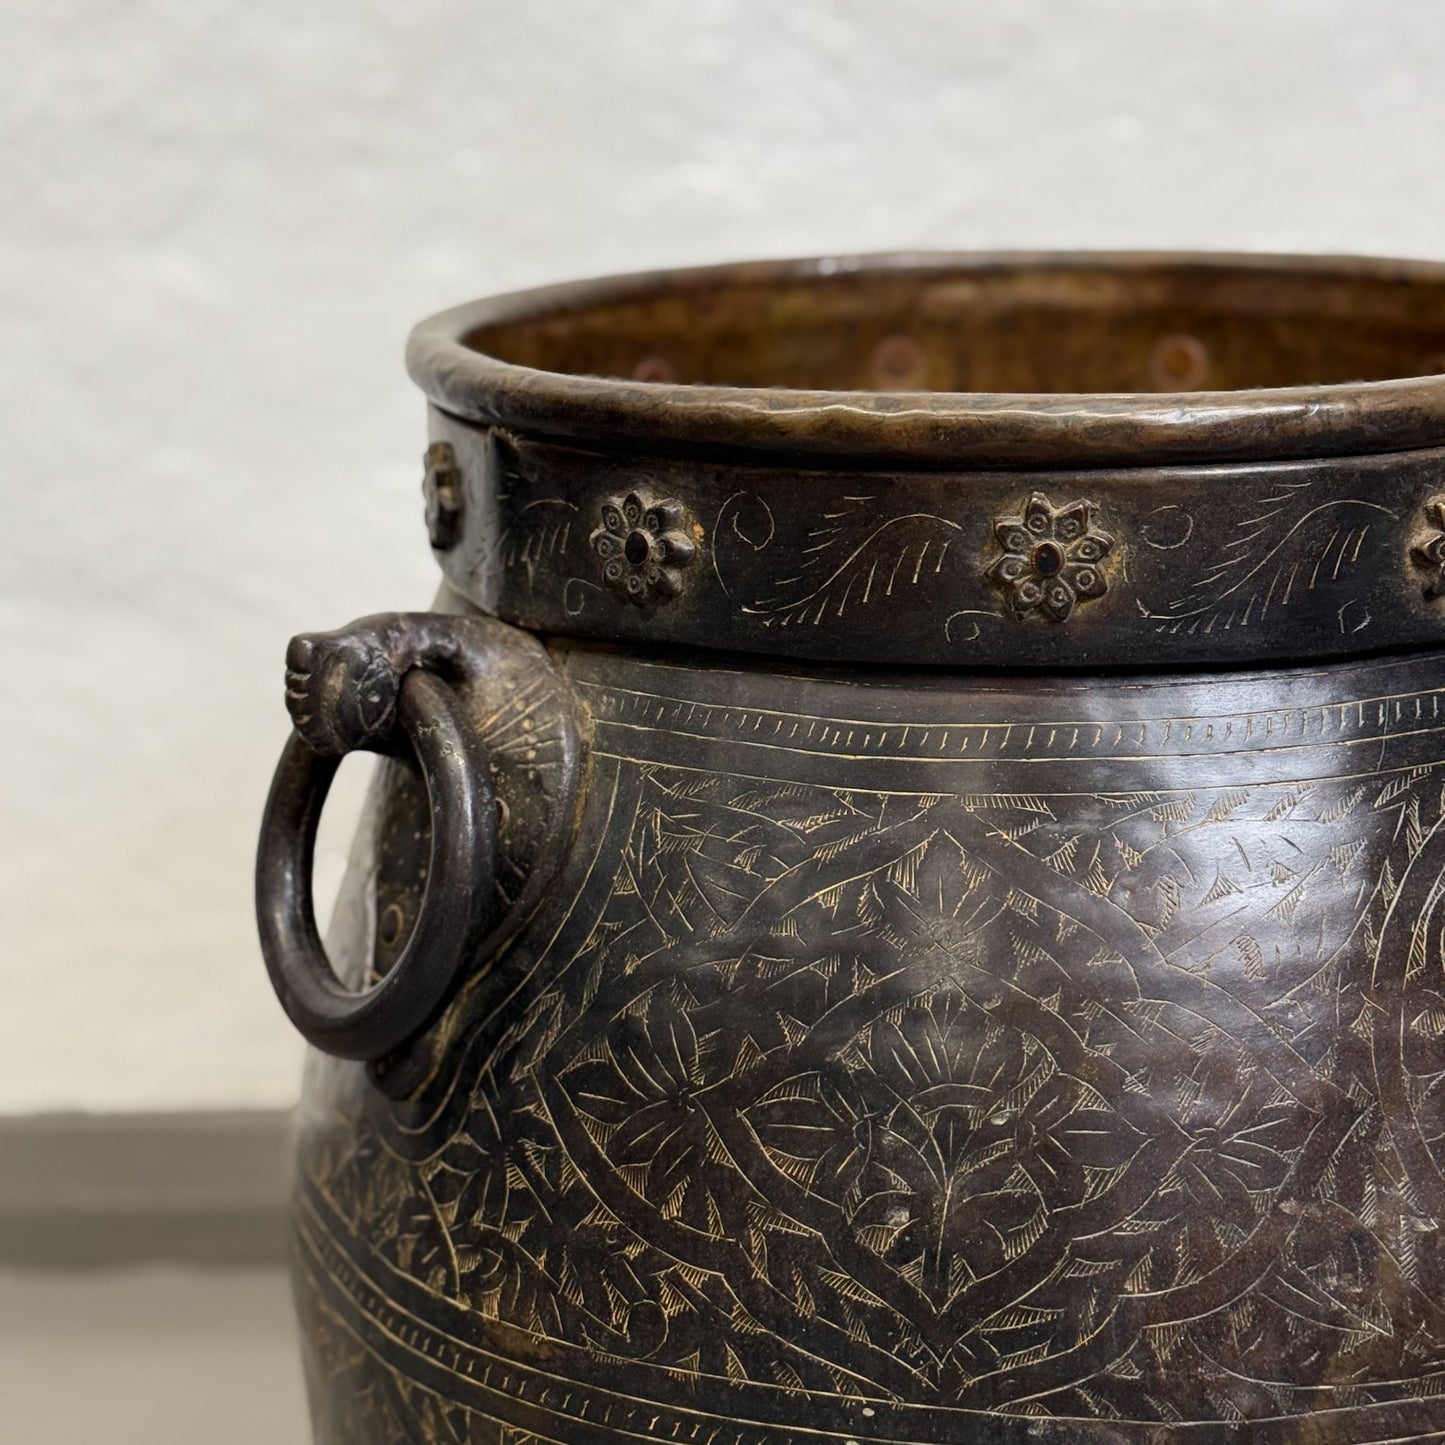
1065,1105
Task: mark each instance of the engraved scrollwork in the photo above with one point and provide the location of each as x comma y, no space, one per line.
1289,545
853,556
1052,558
1066,1104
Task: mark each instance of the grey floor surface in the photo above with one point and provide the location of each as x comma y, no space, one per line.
149,1356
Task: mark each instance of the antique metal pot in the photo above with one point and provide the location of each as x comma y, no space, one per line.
905,900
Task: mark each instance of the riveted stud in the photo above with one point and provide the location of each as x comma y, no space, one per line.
1051,558
442,487
645,545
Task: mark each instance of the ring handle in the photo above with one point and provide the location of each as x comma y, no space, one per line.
455,908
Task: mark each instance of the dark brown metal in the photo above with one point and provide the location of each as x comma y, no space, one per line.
449,923
1036,361
1217,565
1263,519
447,690
442,489
1010,1034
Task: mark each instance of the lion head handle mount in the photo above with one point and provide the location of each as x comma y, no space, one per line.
494,734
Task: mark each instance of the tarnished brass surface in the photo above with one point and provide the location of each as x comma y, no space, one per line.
1281,508
898,1061
1043,361
960,952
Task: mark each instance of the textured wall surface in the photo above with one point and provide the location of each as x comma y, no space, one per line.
222,218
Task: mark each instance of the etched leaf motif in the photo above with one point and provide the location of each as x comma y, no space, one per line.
1080,1105
645,1095
1288,543
846,558
948,1142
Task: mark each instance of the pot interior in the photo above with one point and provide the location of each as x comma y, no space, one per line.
1103,324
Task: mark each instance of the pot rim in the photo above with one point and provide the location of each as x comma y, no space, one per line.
928,430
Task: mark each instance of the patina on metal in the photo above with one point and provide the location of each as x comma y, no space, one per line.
905,898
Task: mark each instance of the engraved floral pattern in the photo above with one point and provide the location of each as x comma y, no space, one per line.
1050,1104
945,1153
644,547
641,1098
1051,558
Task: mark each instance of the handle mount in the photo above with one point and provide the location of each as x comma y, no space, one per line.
448,691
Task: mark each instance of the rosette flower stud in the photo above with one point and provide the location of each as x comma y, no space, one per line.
442,488
1051,558
644,547
1428,553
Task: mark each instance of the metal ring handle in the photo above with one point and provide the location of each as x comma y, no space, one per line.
454,909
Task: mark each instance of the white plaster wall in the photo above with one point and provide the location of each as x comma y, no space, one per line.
219,220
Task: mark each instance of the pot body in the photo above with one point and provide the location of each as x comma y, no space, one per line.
885,918
918,1058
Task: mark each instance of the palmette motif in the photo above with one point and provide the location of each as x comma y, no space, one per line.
1054,1075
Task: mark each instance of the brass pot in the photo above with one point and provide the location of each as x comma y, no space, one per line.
903,902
